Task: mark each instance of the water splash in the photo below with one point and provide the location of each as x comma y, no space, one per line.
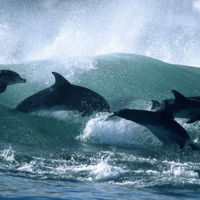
116,132
60,29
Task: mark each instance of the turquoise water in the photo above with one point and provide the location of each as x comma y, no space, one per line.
110,159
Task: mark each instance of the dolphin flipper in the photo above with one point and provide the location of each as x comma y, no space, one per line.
195,119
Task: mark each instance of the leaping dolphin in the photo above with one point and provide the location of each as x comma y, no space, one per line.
7,78
181,106
65,96
161,124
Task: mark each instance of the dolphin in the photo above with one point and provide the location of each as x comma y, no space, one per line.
161,124
7,78
181,106
157,105
65,96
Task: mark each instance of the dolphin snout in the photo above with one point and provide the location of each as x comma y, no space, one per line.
22,80
113,115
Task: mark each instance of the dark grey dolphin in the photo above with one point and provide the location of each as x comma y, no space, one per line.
157,105
7,78
181,106
65,96
161,124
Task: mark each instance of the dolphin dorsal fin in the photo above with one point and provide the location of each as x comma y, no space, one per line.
179,97
60,80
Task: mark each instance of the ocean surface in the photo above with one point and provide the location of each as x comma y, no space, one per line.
112,159
63,155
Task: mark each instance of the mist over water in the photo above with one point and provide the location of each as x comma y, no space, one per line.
43,29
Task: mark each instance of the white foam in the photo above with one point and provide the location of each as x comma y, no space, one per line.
8,154
181,171
27,167
73,28
67,116
104,171
116,132
196,5
98,169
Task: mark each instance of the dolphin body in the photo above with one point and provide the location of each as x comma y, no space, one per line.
180,107
161,124
7,78
65,96
157,105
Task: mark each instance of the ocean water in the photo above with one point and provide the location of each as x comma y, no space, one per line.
127,53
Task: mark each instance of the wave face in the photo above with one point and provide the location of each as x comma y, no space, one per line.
114,48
